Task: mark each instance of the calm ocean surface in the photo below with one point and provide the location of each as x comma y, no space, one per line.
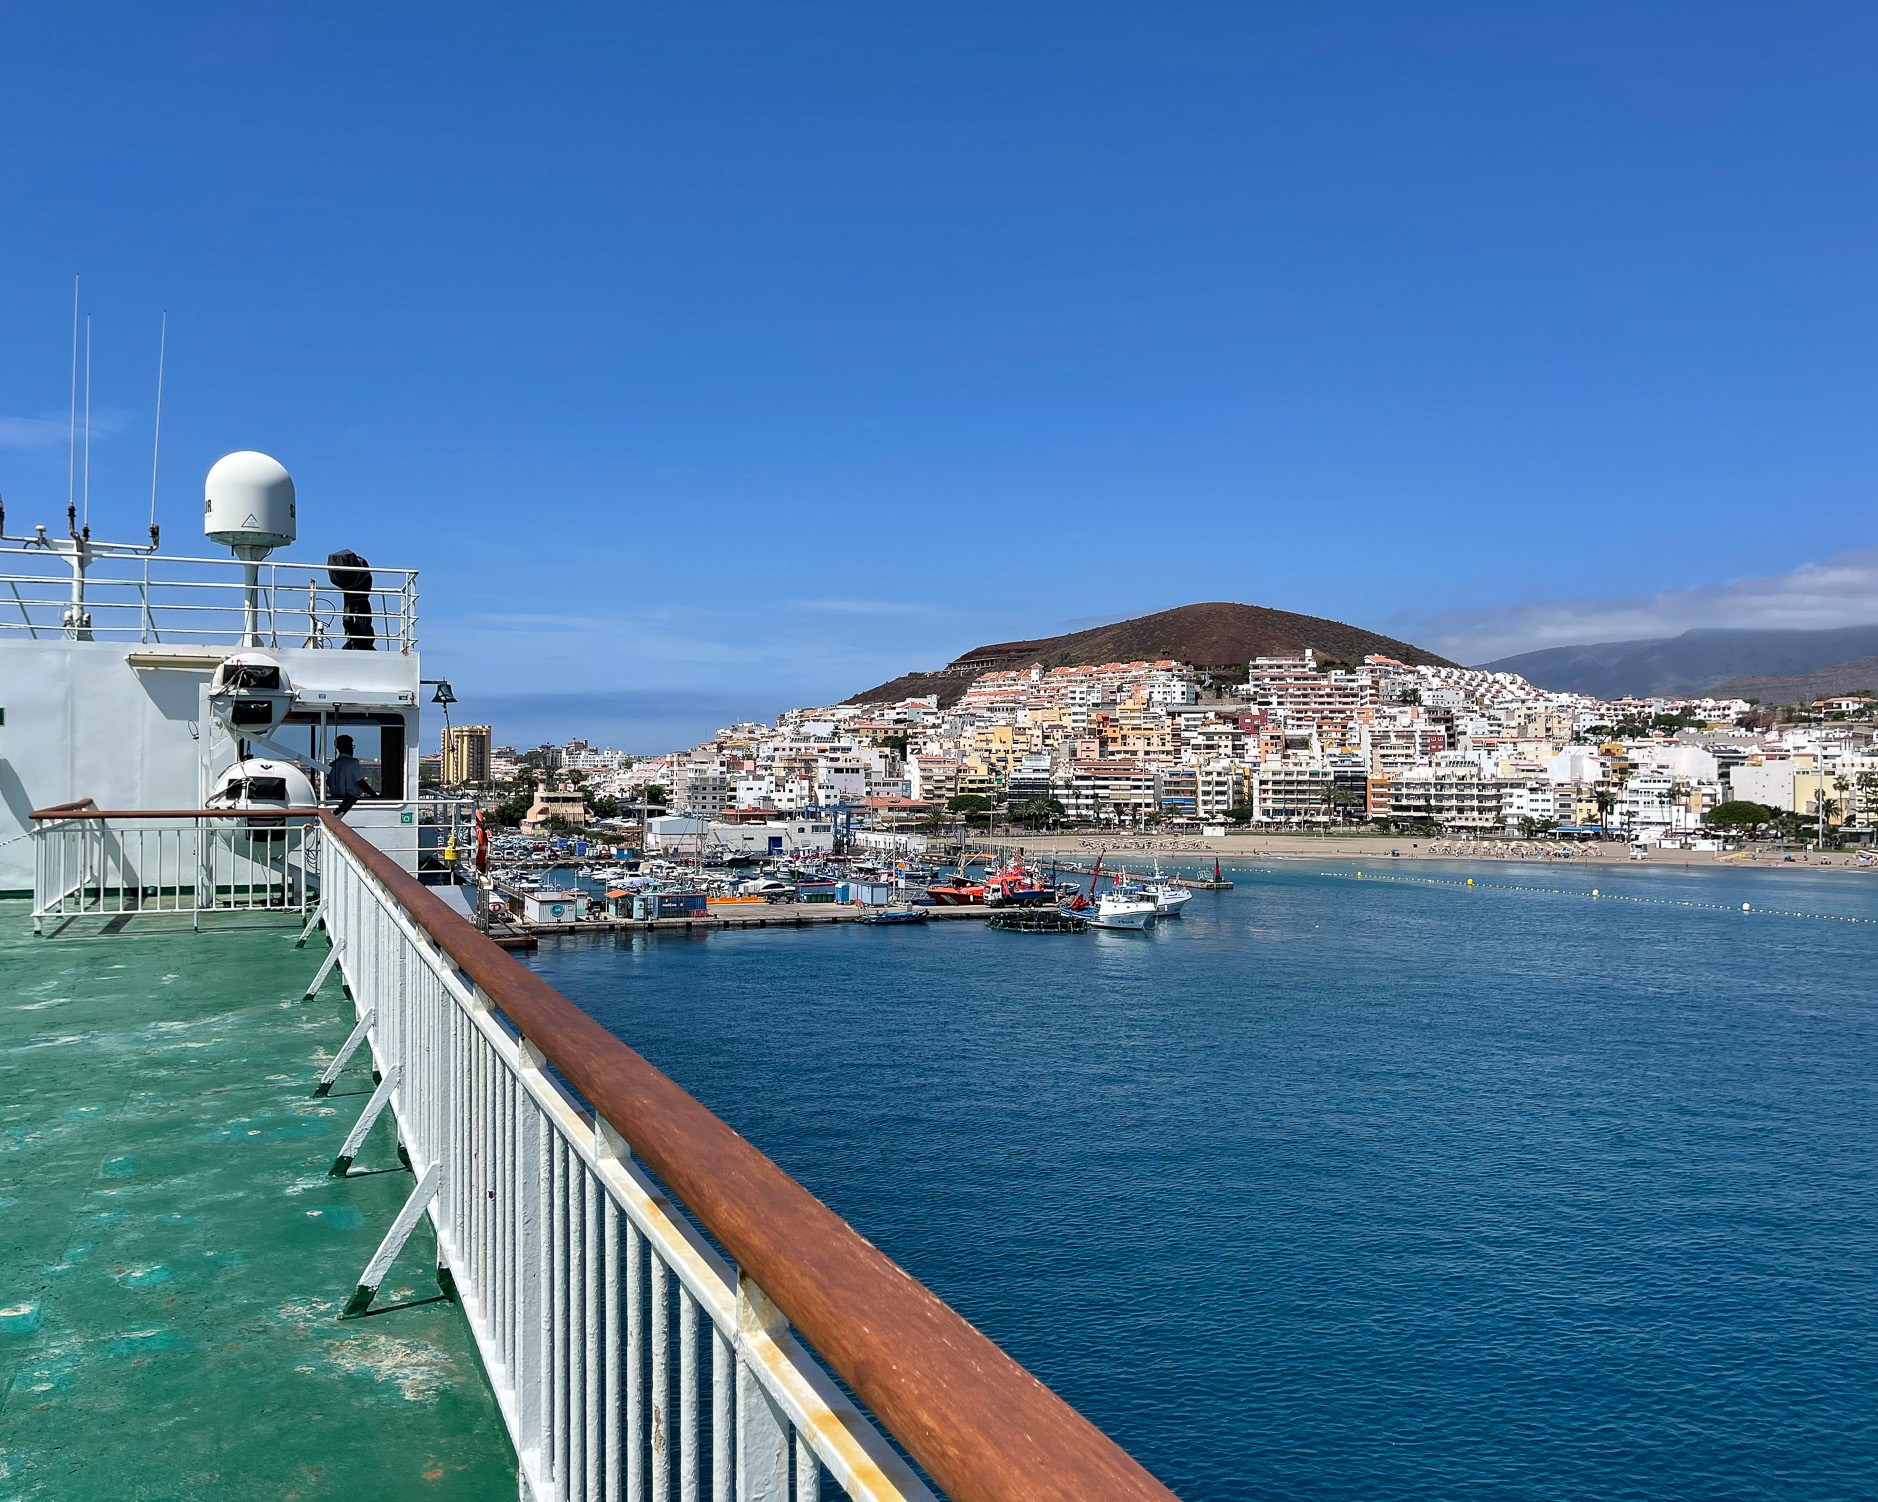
1338,1189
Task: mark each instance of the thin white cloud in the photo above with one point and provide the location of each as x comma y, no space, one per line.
1842,591
864,607
33,433
56,432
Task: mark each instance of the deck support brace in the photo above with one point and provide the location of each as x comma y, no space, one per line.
325,969
324,1087
388,1249
355,1139
311,924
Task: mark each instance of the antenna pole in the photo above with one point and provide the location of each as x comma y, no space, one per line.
88,424
71,470
156,442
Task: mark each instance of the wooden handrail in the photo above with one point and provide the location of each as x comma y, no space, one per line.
984,1428
63,810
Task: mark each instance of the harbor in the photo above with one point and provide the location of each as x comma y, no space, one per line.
948,754
353,1049
536,893
1324,1198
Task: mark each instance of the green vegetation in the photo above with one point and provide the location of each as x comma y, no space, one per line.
1034,811
974,806
511,811
1348,802
1739,814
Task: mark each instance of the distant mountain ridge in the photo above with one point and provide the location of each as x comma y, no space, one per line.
1702,661
1216,634
1804,688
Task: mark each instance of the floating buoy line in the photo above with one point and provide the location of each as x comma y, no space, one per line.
1594,895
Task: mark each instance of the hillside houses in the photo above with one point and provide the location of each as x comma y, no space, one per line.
1298,744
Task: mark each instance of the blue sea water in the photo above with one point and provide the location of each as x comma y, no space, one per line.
1354,1189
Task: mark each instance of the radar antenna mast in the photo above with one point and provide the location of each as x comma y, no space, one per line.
156,441
77,548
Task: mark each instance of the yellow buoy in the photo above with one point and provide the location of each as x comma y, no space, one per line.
1470,881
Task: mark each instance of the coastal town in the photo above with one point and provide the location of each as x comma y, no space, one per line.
1292,744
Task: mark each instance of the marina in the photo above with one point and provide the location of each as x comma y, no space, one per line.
1416,1182
370,1057
964,754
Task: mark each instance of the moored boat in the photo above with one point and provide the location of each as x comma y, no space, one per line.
1121,910
897,915
1018,886
957,894
1168,898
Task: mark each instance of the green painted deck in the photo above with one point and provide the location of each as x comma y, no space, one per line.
173,1256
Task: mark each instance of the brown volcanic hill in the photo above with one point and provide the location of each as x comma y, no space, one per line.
1217,635
1801,688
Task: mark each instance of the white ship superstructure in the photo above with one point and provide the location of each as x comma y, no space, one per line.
108,652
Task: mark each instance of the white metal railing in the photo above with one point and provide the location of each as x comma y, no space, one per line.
629,1359
180,862
155,598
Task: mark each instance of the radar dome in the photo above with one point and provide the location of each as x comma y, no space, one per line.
248,504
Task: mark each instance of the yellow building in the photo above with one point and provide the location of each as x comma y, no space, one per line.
465,755
551,803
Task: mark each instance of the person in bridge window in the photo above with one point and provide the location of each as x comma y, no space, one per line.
344,779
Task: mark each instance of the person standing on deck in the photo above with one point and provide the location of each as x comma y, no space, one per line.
344,778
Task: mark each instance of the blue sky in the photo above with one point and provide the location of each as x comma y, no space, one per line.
710,359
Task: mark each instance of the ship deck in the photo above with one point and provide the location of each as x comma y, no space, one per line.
173,1255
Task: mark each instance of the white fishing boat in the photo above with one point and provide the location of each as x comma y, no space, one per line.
1167,898
1121,910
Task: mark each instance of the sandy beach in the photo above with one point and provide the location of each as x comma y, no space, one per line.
1394,850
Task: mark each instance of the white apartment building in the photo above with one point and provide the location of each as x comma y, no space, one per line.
1221,784
1291,792
1456,798
1536,798
840,782
1766,779
1655,803
754,792
931,777
1678,758
1107,792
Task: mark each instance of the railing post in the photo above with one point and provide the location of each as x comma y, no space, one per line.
762,1428
531,1366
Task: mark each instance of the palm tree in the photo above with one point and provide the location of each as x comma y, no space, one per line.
1606,799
